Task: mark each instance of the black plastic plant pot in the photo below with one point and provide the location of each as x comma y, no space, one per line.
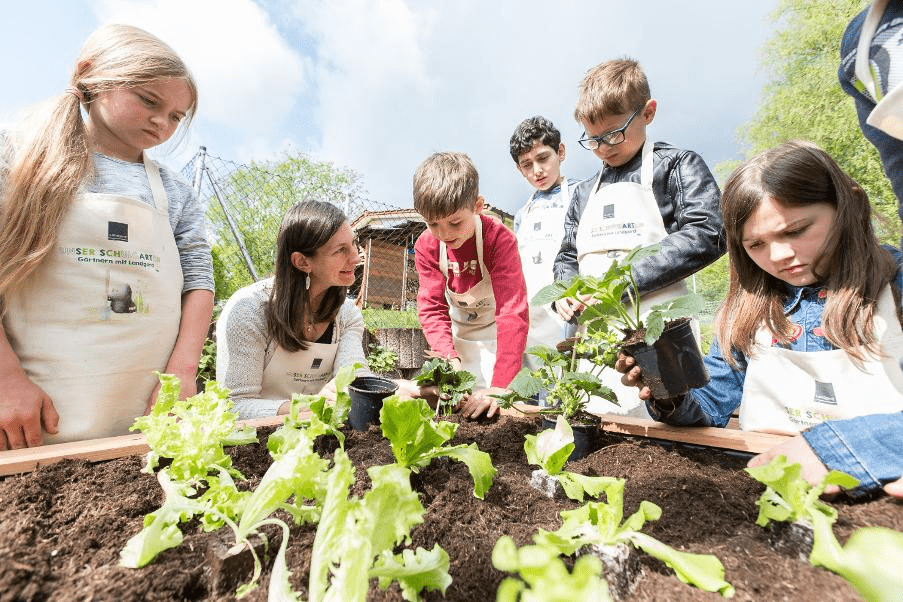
673,364
367,394
583,438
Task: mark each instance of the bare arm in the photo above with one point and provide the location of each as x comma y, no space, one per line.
197,307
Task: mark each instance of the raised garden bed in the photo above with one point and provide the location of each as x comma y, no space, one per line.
64,525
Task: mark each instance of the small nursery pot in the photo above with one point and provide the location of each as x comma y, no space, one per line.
673,364
367,394
583,438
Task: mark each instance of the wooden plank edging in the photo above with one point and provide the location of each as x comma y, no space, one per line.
109,448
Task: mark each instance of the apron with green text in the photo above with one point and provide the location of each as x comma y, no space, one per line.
101,313
787,391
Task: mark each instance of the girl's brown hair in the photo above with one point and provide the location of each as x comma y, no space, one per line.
53,158
853,268
305,228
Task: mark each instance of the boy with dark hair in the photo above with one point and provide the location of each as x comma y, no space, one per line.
646,193
537,151
472,301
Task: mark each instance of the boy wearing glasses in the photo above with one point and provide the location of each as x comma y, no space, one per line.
472,300
646,193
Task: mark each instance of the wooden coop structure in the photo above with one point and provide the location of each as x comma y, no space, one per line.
388,278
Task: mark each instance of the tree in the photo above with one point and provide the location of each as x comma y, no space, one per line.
256,196
803,99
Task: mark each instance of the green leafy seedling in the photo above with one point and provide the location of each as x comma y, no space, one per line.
454,385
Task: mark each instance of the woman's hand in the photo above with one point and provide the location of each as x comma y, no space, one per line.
633,374
408,389
25,412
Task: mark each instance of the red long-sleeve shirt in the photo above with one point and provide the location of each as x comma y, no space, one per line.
502,260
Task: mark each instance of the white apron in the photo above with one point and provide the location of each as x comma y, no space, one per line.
887,115
619,217
538,241
473,317
787,391
301,371
101,312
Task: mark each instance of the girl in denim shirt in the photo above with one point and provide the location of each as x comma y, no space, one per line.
812,319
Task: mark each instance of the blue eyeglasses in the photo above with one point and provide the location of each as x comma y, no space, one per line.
612,138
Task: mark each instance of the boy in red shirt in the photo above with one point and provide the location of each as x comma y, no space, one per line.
472,301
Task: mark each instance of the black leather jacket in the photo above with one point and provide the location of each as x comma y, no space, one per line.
688,198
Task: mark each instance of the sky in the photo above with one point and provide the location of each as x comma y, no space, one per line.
379,85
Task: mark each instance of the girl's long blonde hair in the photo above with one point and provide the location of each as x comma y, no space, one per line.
53,158
853,267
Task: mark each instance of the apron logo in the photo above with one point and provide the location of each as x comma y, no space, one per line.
608,211
316,363
824,393
117,231
537,259
537,226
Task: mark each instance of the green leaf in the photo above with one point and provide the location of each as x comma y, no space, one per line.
550,293
416,439
701,570
545,576
414,570
871,563
551,448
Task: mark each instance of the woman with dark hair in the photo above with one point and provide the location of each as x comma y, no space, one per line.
291,333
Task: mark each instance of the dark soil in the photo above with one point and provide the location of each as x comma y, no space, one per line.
63,526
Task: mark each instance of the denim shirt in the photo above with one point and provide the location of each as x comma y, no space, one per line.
869,448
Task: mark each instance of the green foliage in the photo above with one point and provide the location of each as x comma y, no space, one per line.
545,578
568,389
257,197
599,524
454,385
356,536
416,439
390,318
606,310
871,559
381,359
803,99
550,449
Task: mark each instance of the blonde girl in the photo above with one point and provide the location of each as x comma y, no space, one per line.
105,272
811,319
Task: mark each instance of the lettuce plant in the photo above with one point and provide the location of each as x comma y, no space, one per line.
326,418
599,524
870,560
544,576
416,439
356,538
550,450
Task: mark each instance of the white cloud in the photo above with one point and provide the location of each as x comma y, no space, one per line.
249,78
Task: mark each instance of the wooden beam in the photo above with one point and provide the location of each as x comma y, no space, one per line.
108,448
725,438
